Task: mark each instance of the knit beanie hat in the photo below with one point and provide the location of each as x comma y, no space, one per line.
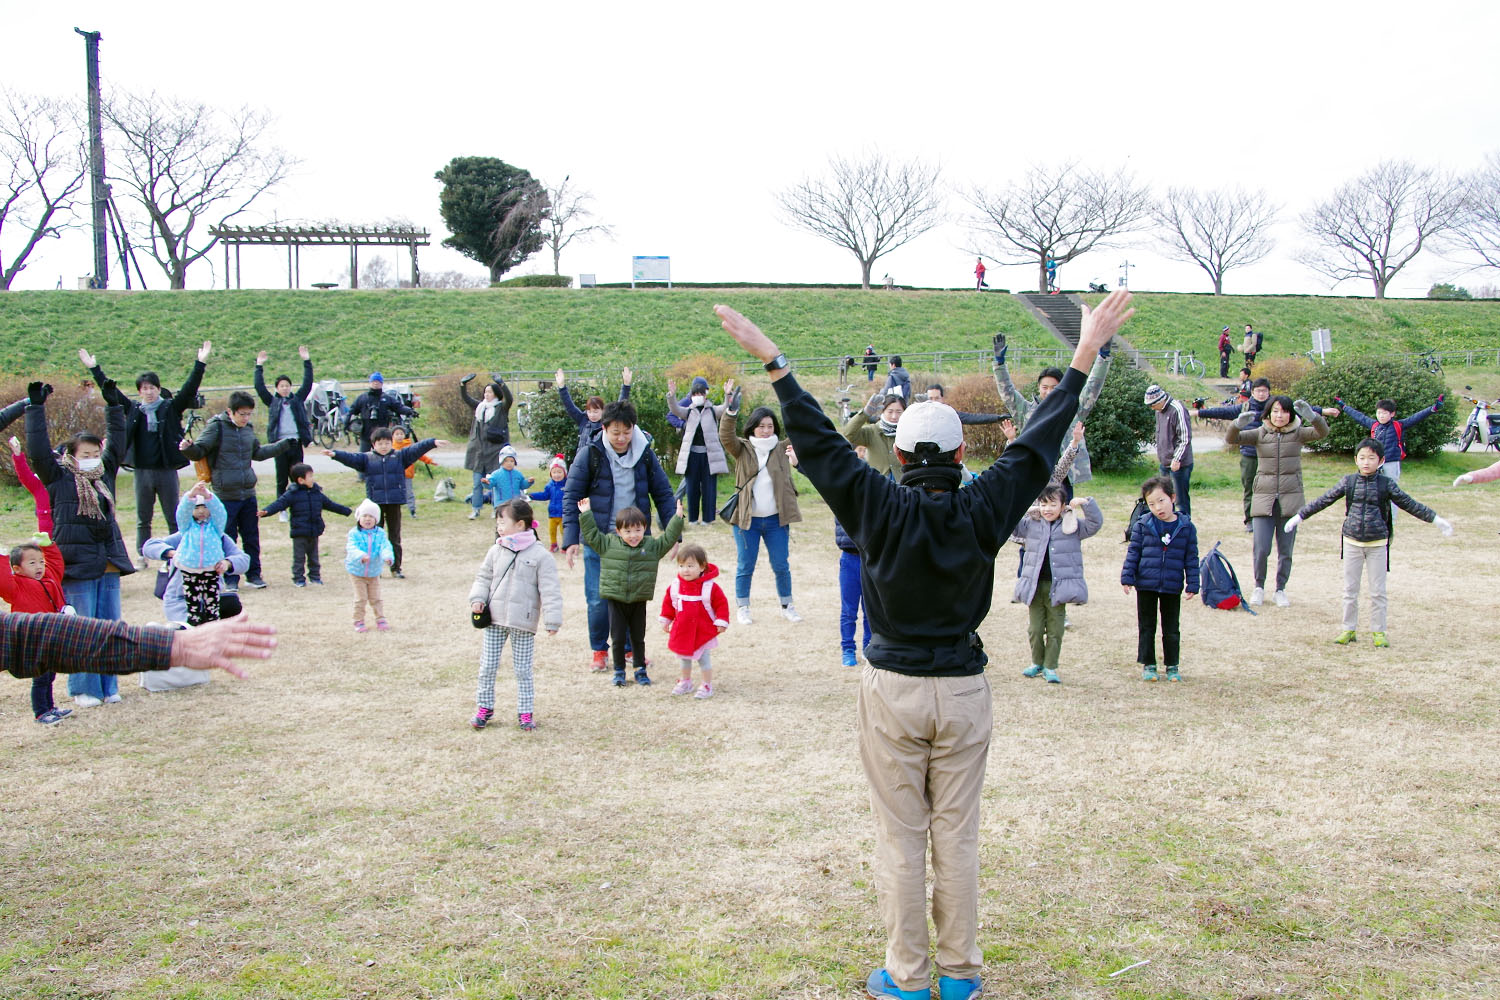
1155,394
558,462
508,452
367,506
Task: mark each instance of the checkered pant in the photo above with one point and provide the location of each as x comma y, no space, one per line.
522,647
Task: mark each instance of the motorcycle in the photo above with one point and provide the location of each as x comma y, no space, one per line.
1483,425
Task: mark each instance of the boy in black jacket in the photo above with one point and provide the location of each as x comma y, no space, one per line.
927,571
1365,545
306,502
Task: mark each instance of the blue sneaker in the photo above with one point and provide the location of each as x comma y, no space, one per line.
881,986
959,989
1035,670
1051,677
850,660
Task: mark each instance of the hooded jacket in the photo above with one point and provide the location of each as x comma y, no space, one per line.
1278,469
521,588
1163,555
1064,552
370,542
696,610
200,548
590,476
87,545
306,506
385,475
297,400
173,603
928,548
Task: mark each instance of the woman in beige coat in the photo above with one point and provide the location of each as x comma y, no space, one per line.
763,463
1277,493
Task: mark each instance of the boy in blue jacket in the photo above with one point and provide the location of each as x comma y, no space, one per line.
305,501
557,473
508,482
385,480
1386,429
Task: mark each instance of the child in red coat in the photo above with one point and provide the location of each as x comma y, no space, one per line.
694,612
31,581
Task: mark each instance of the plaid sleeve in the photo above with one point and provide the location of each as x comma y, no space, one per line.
31,645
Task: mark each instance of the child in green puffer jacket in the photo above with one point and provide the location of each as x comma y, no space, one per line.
627,577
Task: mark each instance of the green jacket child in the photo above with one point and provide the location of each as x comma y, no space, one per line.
627,572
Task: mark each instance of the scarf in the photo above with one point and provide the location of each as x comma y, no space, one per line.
485,410
149,409
90,484
889,430
519,542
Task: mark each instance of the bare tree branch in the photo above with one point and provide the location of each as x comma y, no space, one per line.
1374,225
183,163
1059,212
1218,230
42,169
518,235
565,223
1478,228
868,206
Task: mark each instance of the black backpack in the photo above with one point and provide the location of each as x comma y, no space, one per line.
1137,512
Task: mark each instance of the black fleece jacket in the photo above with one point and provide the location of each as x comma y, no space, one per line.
928,548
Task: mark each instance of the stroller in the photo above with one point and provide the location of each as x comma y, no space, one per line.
330,413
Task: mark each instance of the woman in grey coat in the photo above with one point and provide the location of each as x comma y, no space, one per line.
489,431
701,458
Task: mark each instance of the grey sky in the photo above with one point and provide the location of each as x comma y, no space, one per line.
684,119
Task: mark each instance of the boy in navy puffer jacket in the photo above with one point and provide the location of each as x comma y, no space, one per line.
306,501
553,492
385,480
1161,561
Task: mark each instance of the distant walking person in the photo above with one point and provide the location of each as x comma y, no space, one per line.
1251,345
1051,276
872,360
979,282
1225,350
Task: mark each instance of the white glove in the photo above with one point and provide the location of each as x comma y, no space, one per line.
1443,526
1464,480
1292,522
1304,410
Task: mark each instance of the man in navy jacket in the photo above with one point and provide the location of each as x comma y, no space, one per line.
928,564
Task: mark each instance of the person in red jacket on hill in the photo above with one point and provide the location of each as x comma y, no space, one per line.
31,581
694,612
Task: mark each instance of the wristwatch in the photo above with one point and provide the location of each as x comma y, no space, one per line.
777,363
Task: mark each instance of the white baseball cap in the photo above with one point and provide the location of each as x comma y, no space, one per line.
929,421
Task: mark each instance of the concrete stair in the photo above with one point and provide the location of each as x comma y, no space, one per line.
1062,315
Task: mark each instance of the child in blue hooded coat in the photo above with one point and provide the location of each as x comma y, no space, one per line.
1162,560
557,476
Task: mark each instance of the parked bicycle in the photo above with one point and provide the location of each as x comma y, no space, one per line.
1430,361
1186,364
330,414
524,400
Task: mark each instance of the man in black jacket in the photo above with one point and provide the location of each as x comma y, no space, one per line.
286,414
376,409
928,564
153,431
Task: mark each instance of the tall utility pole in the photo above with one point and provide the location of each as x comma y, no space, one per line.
96,160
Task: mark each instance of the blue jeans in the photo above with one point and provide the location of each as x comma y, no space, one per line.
598,607
851,599
747,547
1180,482
94,599
476,499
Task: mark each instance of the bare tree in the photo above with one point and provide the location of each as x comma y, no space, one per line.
1374,225
1057,213
44,166
568,221
184,164
1478,229
869,205
376,272
1218,230
451,279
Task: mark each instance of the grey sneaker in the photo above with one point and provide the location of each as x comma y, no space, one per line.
744,614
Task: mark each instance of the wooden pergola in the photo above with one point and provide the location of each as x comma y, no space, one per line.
294,238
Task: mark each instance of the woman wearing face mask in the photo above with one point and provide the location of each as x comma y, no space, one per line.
81,485
701,458
763,462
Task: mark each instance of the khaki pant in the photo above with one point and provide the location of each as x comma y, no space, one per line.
1369,562
367,588
924,742
1046,626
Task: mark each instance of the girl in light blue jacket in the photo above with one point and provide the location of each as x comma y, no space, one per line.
365,556
200,554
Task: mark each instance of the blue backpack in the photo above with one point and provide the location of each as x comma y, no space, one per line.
1218,585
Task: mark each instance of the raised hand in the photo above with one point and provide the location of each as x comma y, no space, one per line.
625,376
15,445
205,351
1100,324
746,334
304,353
260,358
672,387
88,359
681,508
1078,432
559,379
469,378
583,505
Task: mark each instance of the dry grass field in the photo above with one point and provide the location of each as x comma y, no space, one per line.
1296,819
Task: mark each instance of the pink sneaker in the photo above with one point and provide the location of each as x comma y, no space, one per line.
683,687
706,691
380,623
525,721
360,627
